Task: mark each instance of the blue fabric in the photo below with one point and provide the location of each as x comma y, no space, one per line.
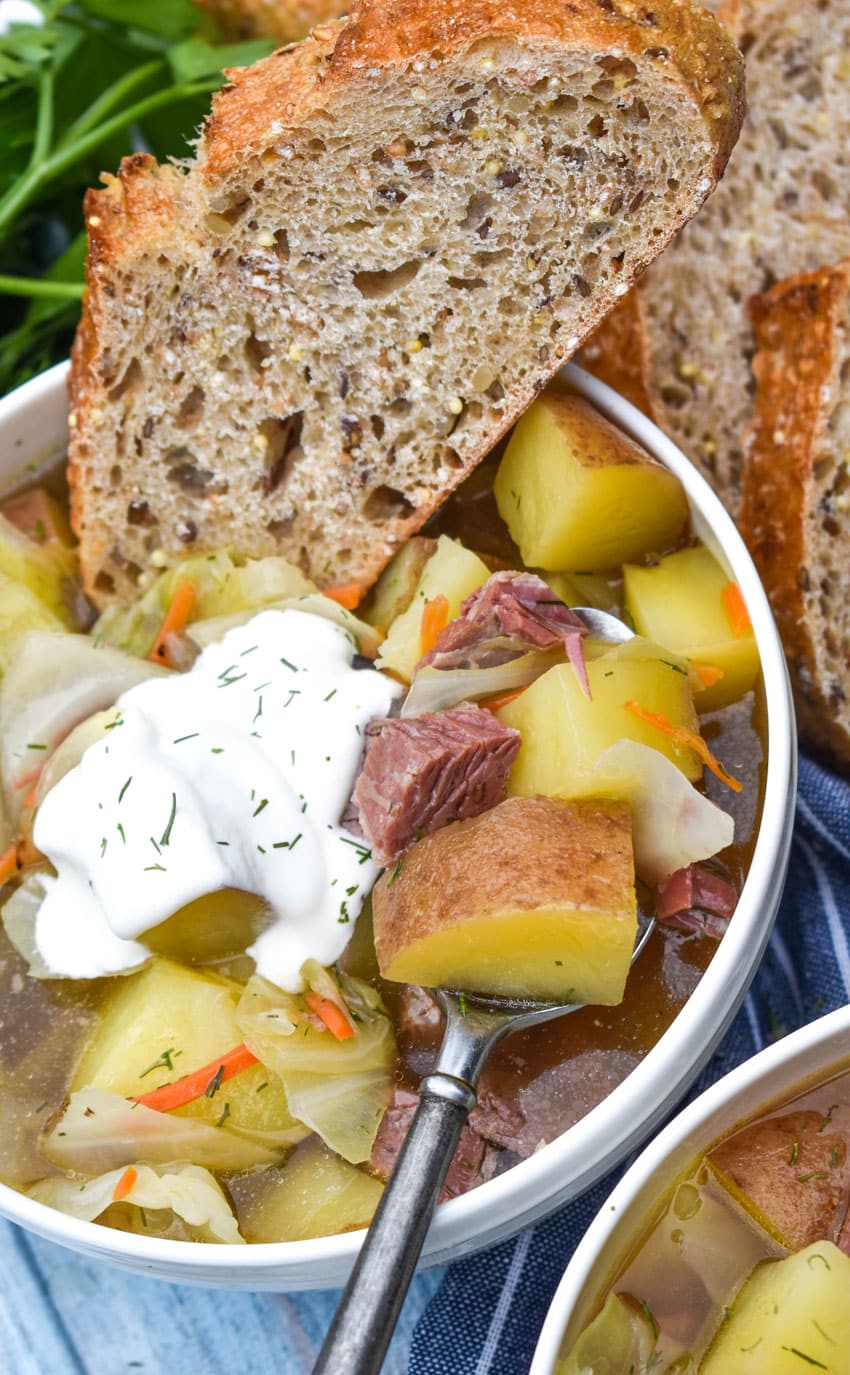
479,1317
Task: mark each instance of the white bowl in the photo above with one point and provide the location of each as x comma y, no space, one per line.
32,430
815,1051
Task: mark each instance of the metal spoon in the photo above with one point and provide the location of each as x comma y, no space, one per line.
368,1311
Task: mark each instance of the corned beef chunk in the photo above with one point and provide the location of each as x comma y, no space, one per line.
518,607
696,899
473,1161
421,772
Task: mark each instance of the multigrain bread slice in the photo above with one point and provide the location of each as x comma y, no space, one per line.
283,20
783,207
393,234
796,490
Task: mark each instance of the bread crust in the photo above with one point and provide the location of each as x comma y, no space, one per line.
142,212
392,36
284,20
616,353
796,368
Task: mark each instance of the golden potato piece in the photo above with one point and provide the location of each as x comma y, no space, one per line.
791,1317
452,572
578,495
533,899
679,602
564,733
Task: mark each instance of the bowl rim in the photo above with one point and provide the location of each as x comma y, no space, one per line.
739,1089
533,1187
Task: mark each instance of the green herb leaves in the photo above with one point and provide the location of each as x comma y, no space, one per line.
77,92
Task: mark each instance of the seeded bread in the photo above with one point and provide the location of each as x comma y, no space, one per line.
391,237
783,207
284,20
796,490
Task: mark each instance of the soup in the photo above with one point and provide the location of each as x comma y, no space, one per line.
746,1267
198,1045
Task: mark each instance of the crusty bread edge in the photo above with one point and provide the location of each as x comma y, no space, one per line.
795,325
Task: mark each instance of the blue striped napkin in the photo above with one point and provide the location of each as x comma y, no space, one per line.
479,1317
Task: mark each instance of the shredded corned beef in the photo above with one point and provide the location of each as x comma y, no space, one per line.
519,607
421,772
473,1161
696,899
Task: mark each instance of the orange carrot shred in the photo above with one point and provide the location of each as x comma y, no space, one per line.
709,674
206,1080
25,780
684,736
8,863
334,1019
501,699
348,595
29,800
435,616
125,1184
736,609
176,619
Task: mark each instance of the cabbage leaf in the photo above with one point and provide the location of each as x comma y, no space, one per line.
187,1190
101,1131
337,1088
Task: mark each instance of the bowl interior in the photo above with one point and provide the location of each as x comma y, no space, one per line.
781,1071
33,429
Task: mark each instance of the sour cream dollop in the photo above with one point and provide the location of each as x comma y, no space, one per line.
232,775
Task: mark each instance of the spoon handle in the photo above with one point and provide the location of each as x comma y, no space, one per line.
366,1317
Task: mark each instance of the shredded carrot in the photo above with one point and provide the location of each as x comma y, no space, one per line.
176,619
29,800
125,1184
25,780
348,594
435,615
736,609
501,699
334,1019
708,674
8,863
684,736
201,1081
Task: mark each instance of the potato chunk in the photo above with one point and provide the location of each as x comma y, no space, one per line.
533,899
316,1194
563,734
578,494
170,1016
791,1316
451,572
679,603
791,1173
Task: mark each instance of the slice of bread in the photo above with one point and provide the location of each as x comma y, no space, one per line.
783,207
796,490
284,20
393,234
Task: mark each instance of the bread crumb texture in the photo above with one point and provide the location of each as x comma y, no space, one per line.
783,207
796,490
391,236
